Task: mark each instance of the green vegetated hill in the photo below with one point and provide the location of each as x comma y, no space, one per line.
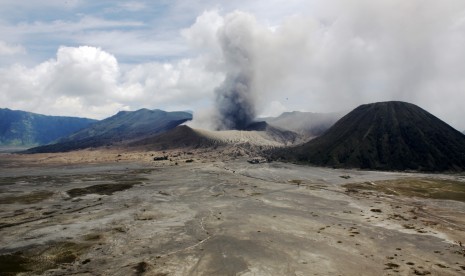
385,136
122,127
21,128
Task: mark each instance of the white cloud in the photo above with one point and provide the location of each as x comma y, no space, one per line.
8,49
185,84
203,33
87,81
74,83
356,52
86,72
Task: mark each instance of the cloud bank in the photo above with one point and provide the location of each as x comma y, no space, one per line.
330,57
87,81
355,52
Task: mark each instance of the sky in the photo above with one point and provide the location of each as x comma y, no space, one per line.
95,58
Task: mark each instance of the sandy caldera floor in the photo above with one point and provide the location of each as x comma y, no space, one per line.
110,213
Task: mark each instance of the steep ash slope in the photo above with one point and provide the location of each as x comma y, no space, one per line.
258,134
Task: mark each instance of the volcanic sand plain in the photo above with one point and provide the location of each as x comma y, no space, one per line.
105,212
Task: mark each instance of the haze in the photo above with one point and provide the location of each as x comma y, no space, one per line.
92,59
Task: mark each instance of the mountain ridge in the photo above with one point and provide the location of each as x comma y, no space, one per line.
123,126
22,128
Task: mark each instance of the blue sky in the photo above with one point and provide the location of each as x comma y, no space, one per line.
94,58
134,31
112,25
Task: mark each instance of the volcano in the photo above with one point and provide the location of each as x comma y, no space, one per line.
258,134
385,136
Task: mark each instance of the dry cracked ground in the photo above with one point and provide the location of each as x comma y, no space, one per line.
211,217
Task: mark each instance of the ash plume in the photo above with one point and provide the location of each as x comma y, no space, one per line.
234,99
234,104
336,58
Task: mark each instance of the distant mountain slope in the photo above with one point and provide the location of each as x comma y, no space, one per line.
124,126
386,136
280,135
308,123
21,128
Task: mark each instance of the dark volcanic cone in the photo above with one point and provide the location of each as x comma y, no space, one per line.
385,136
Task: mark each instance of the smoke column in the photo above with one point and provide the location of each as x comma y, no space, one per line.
236,109
234,98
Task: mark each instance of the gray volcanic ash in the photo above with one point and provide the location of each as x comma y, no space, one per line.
234,98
